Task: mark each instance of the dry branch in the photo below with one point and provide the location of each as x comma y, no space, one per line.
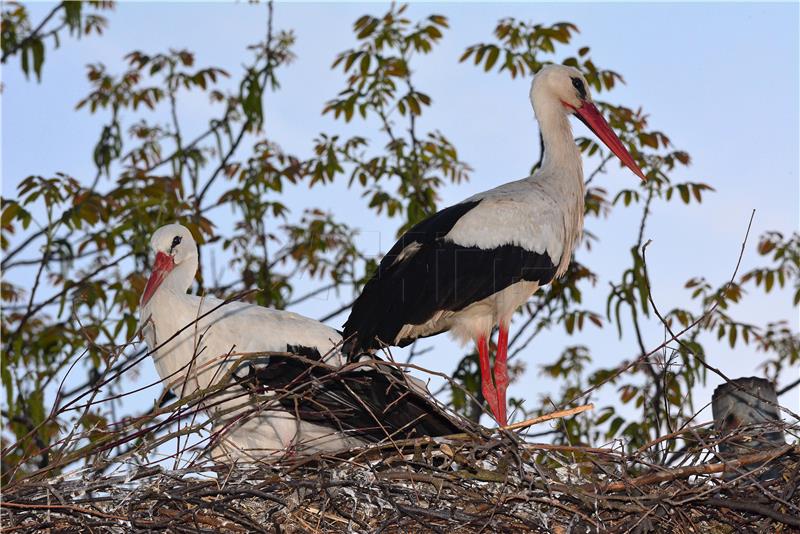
548,417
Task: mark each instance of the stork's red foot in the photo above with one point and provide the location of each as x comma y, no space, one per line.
494,391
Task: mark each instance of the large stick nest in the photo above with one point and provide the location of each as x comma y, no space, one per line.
493,483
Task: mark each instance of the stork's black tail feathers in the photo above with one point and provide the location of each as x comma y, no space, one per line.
374,401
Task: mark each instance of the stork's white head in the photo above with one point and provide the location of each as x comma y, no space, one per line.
174,246
563,89
559,83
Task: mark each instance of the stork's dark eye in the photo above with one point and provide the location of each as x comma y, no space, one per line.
176,241
577,83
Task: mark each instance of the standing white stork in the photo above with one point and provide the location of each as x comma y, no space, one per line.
470,266
330,410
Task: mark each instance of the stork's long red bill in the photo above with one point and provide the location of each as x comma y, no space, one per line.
164,264
591,117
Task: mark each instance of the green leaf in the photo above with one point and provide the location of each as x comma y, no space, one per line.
37,48
605,416
696,191
8,383
769,281
251,103
615,426
368,28
10,210
628,392
72,15
569,323
23,56
351,58
684,191
491,59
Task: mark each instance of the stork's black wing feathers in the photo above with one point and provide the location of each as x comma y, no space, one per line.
434,274
380,311
373,402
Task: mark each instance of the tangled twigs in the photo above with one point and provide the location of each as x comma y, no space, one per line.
495,482
481,480
760,509
702,469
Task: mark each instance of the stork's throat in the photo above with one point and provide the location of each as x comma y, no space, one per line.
164,264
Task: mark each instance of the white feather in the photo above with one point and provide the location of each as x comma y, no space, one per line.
202,354
521,213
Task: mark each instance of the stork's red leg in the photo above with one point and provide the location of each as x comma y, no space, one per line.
487,387
501,373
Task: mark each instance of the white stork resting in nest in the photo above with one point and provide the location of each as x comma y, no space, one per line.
311,405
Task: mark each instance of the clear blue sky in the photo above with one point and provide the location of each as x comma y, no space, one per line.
720,79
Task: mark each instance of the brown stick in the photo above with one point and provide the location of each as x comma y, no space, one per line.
703,469
66,507
530,422
542,418
572,448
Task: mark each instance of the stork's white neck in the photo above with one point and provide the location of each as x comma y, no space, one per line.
562,159
179,280
561,172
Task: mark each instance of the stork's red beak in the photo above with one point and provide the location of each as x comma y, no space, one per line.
164,264
591,117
